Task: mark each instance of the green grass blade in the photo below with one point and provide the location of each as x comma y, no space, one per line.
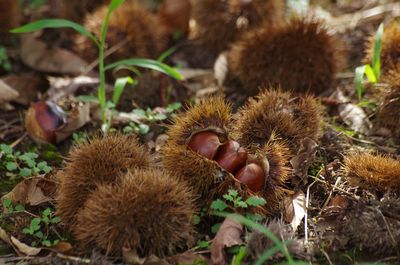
119,86
149,64
54,23
266,255
114,5
166,54
369,72
376,56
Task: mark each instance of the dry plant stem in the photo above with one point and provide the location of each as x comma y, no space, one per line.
326,256
332,190
306,211
74,259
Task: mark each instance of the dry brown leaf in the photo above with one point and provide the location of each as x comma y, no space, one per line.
77,117
131,257
32,191
187,258
228,235
353,115
27,85
7,93
20,248
303,160
62,87
295,209
39,56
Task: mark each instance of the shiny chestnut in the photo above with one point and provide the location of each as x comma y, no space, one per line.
253,176
231,156
205,143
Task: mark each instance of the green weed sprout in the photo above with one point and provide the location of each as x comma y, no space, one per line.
105,106
373,70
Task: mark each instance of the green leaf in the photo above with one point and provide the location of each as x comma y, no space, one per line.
166,54
254,217
119,86
19,208
141,113
233,193
255,201
241,254
218,205
160,117
173,106
143,129
55,23
44,167
149,64
369,72
46,243
241,204
215,228
47,212
376,55
7,202
196,219
25,172
39,234
35,224
27,231
228,197
11,166
203,244
114,5
88,98
55,220
6,149
28,156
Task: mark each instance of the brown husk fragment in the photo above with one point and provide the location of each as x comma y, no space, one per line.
376,173
300,56
219,23
145,211
275,112
132,28
99,160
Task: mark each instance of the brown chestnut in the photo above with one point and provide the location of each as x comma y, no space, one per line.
205,143
231,156
43,119
253,176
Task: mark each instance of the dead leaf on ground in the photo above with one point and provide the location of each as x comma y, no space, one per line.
353,115
7,93
188,258
303,160
295,209
62,87
32,191
39,56
77,117
20,248
28,85
228,235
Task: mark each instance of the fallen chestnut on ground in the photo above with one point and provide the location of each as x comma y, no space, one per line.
253,176
231,156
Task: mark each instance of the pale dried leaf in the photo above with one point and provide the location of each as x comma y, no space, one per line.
77,117
27,85
39,56
7,93
32,191
130,256
295,209
20,248
353,115
62,87
221,68
228,235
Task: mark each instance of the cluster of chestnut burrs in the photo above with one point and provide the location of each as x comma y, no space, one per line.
112,196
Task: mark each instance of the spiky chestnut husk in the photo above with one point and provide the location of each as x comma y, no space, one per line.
131,26
390,53
299,56
219,22
373,172
74,10
291,118
145,210
391,102
214,115
99,160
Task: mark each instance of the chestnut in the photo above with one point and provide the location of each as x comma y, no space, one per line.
231,156
253,176
43,119
205,143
